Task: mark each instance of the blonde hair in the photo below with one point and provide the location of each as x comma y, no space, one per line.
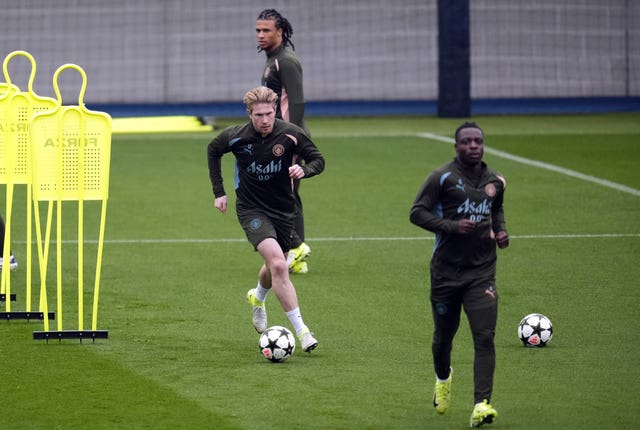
259,95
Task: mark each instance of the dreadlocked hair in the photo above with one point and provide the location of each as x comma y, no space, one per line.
281,23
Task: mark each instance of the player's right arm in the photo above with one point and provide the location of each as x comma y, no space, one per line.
220,203
215,150
424,212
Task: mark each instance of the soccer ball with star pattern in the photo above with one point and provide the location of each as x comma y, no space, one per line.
277,343
535,330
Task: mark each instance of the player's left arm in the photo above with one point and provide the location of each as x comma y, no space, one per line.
498,223
291,78
313,158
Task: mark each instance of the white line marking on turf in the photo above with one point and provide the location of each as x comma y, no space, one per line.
432,136
542,165
347,239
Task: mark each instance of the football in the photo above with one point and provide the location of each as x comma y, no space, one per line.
535,330
277,343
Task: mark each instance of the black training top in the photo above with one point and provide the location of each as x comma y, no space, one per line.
283,74
450,194
262,164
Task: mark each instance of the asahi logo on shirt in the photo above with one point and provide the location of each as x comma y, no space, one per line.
261,169
479,208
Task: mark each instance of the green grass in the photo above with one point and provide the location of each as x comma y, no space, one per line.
182,354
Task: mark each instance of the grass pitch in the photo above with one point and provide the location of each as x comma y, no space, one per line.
182,352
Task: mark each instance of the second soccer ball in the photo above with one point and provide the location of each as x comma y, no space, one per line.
535,330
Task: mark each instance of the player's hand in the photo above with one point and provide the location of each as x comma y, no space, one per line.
296,172
221,204
502,238
466,226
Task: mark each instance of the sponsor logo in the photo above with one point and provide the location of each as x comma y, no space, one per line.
66,142
261,169
476,211
14,127
479,208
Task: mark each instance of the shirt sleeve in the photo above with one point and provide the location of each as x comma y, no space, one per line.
313,158
216,149
498,222
291,78
425,213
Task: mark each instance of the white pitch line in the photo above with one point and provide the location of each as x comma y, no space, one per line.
440,138
542,165
345,239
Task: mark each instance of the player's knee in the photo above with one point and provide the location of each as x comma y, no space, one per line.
279,268
484,339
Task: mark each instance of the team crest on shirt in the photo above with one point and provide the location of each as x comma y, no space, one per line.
278,150
490,190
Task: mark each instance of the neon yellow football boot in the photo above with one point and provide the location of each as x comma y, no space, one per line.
297,256
259,311
442,394
483,413
307,340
